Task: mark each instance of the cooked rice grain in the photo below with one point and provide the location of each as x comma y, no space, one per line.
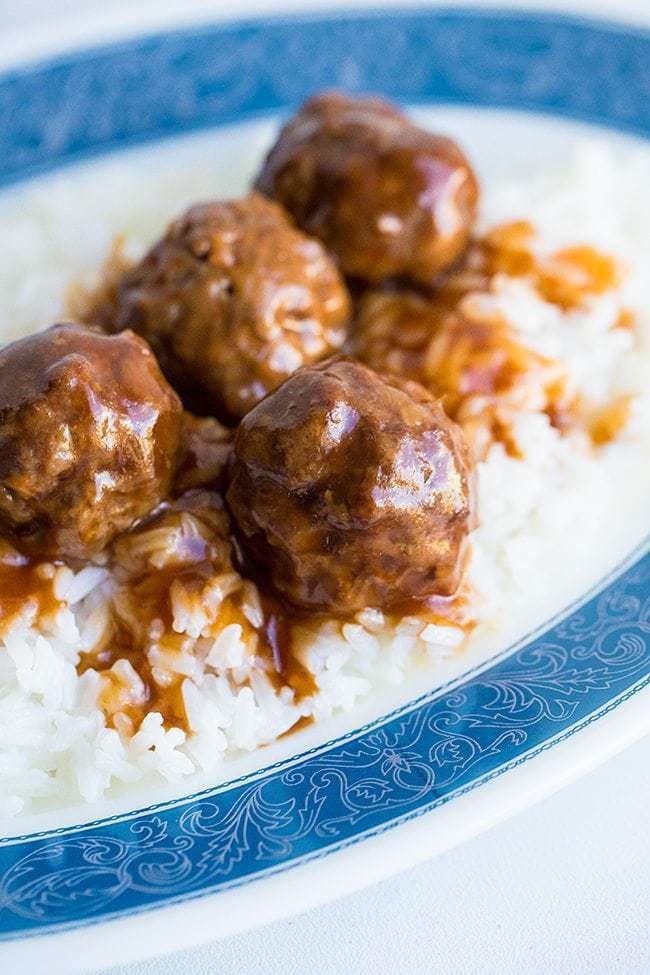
535,546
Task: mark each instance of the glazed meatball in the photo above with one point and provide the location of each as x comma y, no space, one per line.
89,435
387,198
233,299
352,490
204,454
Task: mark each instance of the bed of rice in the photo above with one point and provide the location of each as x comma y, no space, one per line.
538,516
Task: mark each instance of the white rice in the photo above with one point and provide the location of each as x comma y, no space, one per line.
538,515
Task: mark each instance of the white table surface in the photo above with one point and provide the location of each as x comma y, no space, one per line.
563,887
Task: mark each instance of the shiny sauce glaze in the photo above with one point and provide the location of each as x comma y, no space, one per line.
26,588
474,358
281,637
452,341
136,653
126,700
438,611
142,615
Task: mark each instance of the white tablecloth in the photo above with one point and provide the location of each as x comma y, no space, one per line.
564,887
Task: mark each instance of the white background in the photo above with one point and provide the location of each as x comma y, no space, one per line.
564,887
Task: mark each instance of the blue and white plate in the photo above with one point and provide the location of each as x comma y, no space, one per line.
420,776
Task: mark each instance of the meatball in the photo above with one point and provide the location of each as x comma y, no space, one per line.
204,455
386,197
233,299
89,436
352,490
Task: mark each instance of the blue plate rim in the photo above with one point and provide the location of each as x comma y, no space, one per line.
612,576
496,13
43,919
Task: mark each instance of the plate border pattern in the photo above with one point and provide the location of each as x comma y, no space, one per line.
542,691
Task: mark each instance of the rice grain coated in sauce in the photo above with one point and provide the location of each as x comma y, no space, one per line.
189,645
451,340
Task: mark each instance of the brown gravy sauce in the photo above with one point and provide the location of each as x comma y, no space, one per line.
279,640
608,422
142,616
149,596
301,723
282,635
25,585
456,610
475,360
564,278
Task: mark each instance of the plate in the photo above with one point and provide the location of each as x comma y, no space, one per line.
405,778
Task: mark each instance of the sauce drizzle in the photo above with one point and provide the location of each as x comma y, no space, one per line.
453,340
26,587
136,656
